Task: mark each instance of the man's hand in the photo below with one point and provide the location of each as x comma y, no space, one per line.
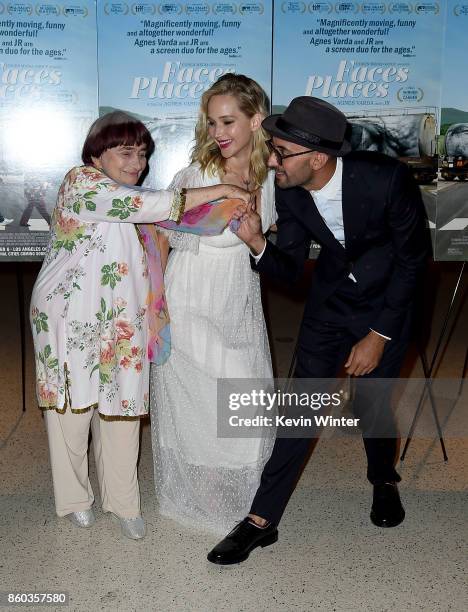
365,356
250,228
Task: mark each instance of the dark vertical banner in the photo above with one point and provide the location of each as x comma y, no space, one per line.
48,99
379,62
157,59
452,199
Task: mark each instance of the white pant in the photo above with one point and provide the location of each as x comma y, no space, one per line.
115,446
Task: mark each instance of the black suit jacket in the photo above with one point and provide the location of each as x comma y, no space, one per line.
385,240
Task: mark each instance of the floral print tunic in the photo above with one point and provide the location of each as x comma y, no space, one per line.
89,303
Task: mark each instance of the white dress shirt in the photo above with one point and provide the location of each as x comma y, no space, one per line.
329,204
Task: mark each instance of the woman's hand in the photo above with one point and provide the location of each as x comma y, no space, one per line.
200,195
237,193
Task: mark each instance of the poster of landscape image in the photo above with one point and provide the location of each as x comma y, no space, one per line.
169,54
452,199
394,68
380,63
48,99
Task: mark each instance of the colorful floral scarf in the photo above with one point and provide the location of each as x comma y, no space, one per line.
207,219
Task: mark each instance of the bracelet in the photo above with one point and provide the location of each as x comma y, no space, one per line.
178,205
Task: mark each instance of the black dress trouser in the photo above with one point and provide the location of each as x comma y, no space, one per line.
322,355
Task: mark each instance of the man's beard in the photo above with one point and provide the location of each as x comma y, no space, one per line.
282,181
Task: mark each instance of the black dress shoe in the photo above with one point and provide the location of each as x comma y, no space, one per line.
240,542
387,510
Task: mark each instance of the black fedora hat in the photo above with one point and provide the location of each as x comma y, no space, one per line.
312,123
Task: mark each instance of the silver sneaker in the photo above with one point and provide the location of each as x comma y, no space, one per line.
85,518
133,528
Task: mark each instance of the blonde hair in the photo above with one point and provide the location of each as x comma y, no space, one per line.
251,100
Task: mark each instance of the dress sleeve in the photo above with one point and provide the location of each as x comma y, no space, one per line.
94,197
189,176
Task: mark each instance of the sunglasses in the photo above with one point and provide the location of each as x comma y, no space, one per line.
279,156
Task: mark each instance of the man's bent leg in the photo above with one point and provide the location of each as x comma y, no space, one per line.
321,356
279,477
321,352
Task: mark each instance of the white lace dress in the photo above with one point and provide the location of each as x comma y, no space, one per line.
218,331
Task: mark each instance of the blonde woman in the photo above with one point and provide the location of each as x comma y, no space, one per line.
217,324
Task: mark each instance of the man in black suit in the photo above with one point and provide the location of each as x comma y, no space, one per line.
366,212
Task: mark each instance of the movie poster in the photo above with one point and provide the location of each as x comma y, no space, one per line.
48,99
452,196
380,63
168,54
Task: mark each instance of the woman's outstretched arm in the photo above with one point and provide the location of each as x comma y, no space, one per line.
92,196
